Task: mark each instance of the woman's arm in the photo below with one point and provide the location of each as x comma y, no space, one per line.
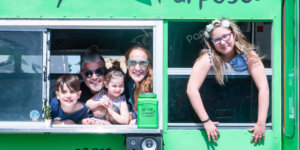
122,118
198,75
257,71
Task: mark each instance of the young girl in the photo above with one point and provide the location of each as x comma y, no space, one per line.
227,49
112,104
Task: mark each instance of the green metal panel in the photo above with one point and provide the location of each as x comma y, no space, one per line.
61,142
165,9
229,140
240,138
289,74
291,128
268,10
277,84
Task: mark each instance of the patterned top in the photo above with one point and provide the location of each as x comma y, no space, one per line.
116,102
238,64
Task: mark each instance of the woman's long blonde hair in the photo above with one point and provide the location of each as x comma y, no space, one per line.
241,46
146,85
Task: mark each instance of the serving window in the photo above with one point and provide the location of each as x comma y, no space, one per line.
33,56
236,103
68,45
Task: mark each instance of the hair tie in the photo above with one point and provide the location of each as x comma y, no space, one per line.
205,120
224,23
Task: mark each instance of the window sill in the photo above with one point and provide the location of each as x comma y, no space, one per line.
40,127
197,126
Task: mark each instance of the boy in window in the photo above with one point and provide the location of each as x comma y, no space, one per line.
66,109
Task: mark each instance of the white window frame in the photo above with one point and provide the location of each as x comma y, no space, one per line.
32,25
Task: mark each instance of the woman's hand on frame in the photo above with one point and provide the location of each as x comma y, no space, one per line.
258,133
211,130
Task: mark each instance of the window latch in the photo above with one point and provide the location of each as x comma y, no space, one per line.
59,2
45,75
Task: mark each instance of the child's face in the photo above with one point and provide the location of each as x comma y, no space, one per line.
67,97
224,40
115,87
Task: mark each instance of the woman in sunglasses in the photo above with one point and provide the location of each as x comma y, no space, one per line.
139,76
227,49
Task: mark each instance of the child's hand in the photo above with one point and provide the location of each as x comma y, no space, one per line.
103,104
105,101
110,109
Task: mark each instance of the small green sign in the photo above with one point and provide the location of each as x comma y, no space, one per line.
147,111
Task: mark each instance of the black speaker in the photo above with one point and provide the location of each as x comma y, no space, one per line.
143,142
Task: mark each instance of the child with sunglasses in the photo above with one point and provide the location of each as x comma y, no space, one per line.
227,50
112,104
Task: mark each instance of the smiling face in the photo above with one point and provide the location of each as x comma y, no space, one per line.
67,97
223,41
115,87
137,73
95,81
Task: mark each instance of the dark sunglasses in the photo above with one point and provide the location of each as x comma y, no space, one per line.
98,72
132,63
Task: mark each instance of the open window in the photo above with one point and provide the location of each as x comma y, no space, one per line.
68,45
236,103
31,61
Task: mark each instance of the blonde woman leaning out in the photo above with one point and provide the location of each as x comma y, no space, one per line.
227,49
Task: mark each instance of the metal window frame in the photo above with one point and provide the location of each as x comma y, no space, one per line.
193,126
188,71
44,25
8,124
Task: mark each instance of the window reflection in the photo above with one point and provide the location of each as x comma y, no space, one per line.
236,102
20,74
7,63
185,43
31,64
65,64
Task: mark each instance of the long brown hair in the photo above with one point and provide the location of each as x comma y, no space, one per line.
146,85
241,46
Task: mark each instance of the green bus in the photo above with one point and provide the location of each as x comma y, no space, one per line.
41,40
